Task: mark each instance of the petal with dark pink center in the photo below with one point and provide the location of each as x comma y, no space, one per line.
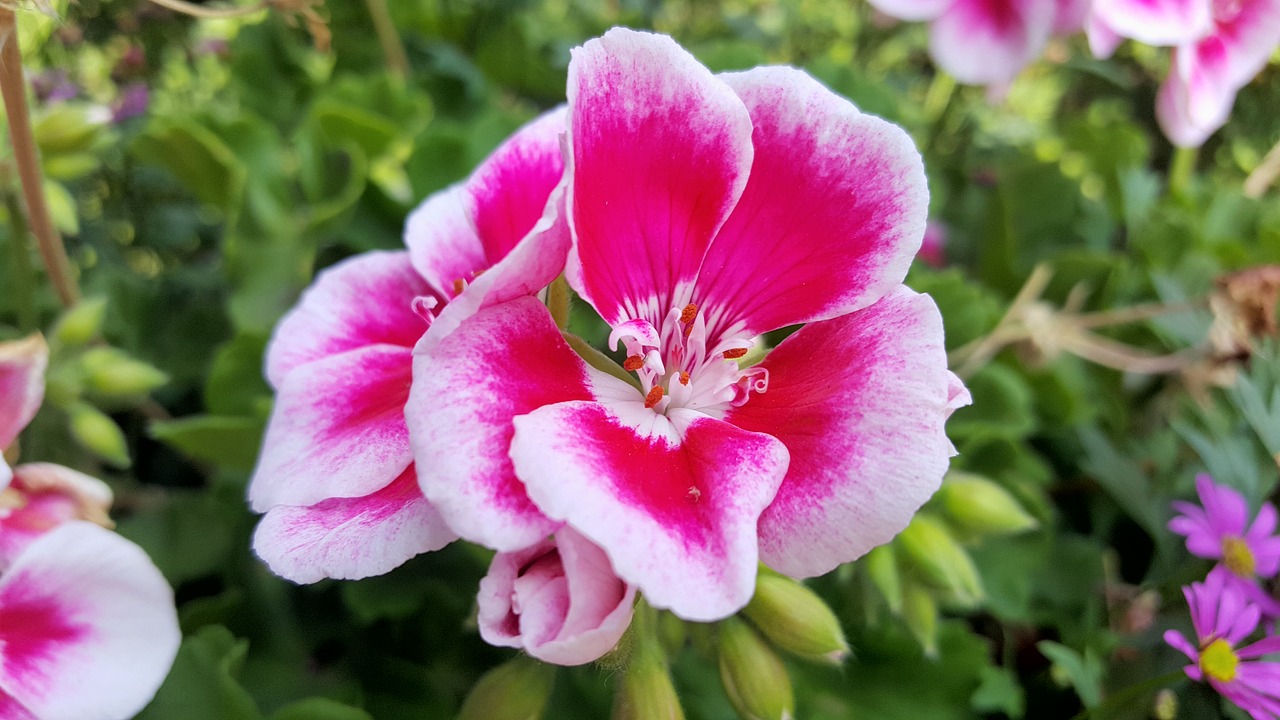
337,429
674,504
989,41
22,366
365,300
832,215
505,361
1156,22
508,192
87,624
443,243
860,402
351,538
660,152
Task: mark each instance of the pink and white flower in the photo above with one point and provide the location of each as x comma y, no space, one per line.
705,211
985,42
1223,619
22,366
559,601
336,477
1207,71
43,496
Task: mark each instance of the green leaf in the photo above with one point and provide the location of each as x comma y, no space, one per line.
197,157
231,442
236,385
320,709
202,684
1002,406
189,536
1084,671
999,691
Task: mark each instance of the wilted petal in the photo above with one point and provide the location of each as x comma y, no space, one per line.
989,41
660,153
505,361
351,538
22,366
363,301
673,504
337,429
1156,22
87,624
860,403
831,216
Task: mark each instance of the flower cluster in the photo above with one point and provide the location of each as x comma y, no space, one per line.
434,393
1229,605
87,623
1218,45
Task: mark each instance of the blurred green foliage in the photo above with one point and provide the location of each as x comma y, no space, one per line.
259,160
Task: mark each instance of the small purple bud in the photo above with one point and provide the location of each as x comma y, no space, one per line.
131,103
53,86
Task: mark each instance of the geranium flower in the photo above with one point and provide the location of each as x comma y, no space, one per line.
985,42
1223,618
706,211
336,476
559,601
88,628
1206,72
1219,529
1153,22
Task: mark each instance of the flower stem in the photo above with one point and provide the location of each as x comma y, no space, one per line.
23,288
1264,175
13,88
388,38
1181,169
1125,699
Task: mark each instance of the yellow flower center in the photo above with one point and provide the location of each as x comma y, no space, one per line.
1219,661
1237,556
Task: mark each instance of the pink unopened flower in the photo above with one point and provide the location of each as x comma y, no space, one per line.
558,600
1219,529
88,628
985,42
336,476
1223,619
705,211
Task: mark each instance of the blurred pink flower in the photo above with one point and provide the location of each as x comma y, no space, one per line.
336,476
1219,529
558,600
43,496
1223,618
933,247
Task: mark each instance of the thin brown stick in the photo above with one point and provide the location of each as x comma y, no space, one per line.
199,11
13,88
1264,175
392,48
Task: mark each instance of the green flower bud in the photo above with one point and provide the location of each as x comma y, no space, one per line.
98,433
113,373
928,547
980,506
920,613
882,568
753,675
796,620
515,690
645,691
81,323
1165,706
68,128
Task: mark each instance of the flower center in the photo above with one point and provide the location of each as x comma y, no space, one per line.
1219,661
1237,556
680,367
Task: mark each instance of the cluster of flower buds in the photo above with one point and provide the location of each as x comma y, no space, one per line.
927,566
87,622
1232,602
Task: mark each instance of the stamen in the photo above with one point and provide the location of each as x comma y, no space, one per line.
633,363
689,312
1237,556
1219,661
735,353
684,378
458,285
654,397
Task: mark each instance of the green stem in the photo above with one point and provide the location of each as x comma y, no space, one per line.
392,48
1128,696
23,273
1181,169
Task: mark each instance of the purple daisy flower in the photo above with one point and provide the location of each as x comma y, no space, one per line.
1220,530
1223,617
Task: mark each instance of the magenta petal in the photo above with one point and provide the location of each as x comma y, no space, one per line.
366,300
1156,22
351,538
11,709
860,403
508,191
22,366
337,429
673,504
831,216
660,152
1176,640
442,240
989,41
1103,41
913,10
87,624
503,362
